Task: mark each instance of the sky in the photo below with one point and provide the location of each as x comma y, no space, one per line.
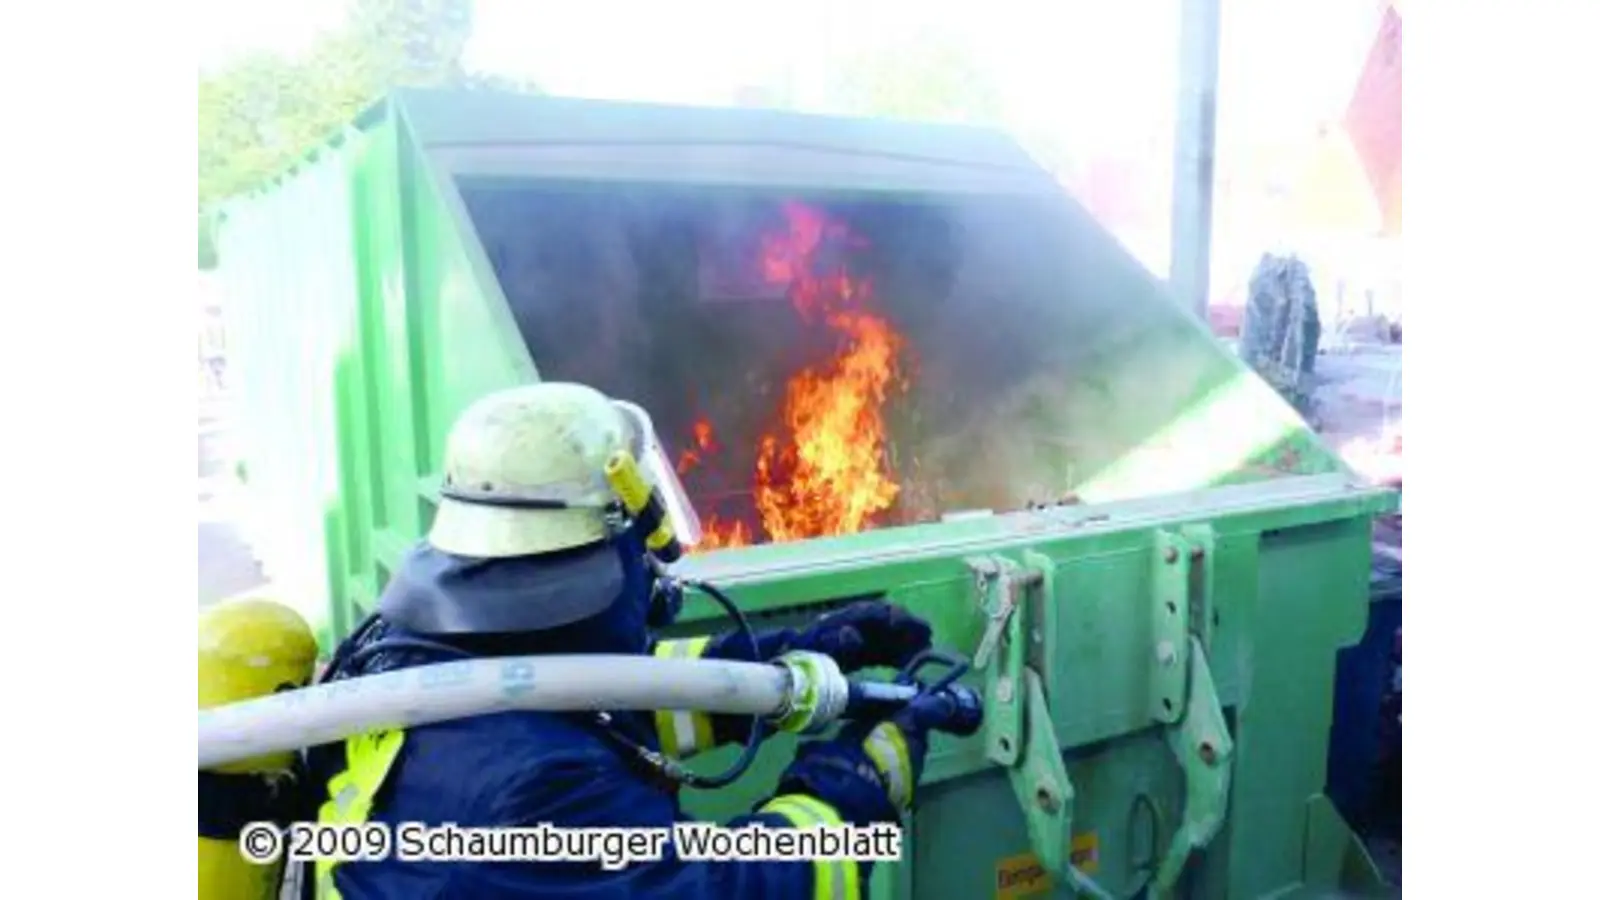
230,28
1095,73
1096,77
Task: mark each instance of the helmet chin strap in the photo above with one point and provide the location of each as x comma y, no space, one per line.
518,501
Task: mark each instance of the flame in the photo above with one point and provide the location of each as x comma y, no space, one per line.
703,444
716,533
829,477
823,471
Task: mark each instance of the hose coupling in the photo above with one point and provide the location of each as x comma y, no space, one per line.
818,692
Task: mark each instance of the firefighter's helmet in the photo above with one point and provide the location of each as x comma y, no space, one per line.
525,473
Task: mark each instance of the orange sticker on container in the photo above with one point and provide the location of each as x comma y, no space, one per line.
1086,852
1016,877
1021,876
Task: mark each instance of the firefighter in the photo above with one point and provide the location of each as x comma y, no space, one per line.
527,555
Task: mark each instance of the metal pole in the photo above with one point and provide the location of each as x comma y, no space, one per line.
1194,154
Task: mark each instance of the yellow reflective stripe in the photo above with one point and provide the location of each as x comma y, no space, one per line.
886,745
667,734
368,759
326,889
682,733
684,648
833,879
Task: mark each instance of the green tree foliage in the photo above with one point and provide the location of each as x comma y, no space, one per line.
926,78
264,112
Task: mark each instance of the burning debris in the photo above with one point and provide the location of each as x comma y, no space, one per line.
822,467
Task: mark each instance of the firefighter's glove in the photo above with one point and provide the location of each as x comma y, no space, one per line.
864,634
867,634
869,773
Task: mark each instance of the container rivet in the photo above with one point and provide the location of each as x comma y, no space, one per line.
1166,653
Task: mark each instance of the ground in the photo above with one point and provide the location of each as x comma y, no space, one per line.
226,566
1358,397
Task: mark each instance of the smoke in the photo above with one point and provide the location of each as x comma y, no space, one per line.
1036,351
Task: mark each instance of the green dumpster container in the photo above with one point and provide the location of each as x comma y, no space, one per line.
896,361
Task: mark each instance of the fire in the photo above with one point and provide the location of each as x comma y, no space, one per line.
719,534
823,471
828,476
703,444
716,533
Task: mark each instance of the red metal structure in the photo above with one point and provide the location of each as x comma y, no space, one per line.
1373,118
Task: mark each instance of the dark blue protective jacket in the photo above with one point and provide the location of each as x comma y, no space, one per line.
564,770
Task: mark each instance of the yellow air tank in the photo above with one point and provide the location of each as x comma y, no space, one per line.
248,649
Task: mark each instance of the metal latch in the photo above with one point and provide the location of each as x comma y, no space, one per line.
1183,696
1018,732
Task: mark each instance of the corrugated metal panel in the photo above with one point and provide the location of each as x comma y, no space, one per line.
287,262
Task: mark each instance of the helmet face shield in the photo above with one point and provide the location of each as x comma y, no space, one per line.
659,471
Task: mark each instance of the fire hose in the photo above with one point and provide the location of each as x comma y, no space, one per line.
800,691
254,716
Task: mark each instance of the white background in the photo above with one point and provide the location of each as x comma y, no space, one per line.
97,387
